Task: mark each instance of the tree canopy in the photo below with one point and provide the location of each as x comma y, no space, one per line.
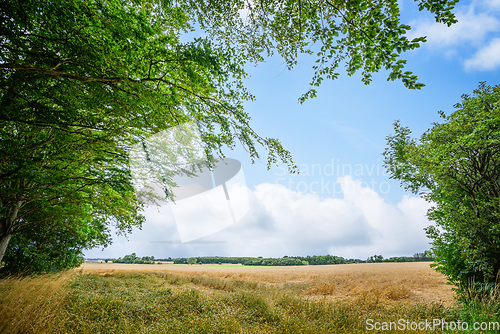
455,165
83,81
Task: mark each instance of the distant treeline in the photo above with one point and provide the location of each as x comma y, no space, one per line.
132,258
212,260
330,259
296,261
417,257
284,261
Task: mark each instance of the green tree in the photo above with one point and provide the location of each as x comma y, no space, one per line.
134,259
54,245
192,260
362,35
455,165
82,81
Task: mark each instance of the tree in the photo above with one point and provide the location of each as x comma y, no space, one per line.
53,246
360,34
134,259
191,260
456,166
82,81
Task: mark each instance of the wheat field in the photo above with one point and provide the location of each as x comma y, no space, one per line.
414,282
120,298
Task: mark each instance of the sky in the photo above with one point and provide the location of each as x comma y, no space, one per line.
342,202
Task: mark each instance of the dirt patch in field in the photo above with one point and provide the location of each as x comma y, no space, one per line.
394,282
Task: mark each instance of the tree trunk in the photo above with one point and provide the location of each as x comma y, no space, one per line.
6,228
4,241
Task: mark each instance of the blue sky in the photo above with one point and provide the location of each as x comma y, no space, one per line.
342,203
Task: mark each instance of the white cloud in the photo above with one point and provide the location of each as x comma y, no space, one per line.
471,28
245,12
474,33
283,222
487,58
490,4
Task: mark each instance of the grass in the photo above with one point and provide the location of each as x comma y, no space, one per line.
480,306
33,304
117,301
